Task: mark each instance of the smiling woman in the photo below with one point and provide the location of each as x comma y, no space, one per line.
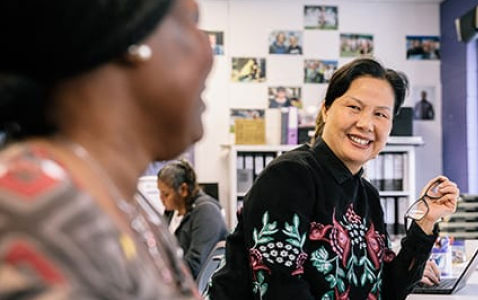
312,227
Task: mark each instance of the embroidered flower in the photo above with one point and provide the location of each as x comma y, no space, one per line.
340,241
375,245
255,260
299,264
351,216
318,231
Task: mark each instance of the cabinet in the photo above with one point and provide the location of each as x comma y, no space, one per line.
247,161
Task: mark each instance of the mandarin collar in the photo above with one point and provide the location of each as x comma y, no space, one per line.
326,157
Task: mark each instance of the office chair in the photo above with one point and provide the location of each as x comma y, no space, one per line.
211,264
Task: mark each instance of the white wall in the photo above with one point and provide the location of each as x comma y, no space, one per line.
247,25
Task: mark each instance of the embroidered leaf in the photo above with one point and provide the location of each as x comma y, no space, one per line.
340,272
362,260
323,254
260,277
331,279
254,235
354,279
265,218
264,240
328,296
295,219
340,285
319,260
264,289
362,279
302,241
293,242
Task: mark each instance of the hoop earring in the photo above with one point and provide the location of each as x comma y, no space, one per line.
140,53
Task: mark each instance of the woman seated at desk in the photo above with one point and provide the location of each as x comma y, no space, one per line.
193,217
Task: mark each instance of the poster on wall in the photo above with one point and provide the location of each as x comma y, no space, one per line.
285,42
423,47
248,126
216,40
423,99
352,44
284,97
319,71
248,69
321,17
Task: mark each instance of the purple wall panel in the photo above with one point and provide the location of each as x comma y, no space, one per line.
453,77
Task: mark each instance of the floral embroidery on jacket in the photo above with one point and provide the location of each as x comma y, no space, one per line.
359,251
288,253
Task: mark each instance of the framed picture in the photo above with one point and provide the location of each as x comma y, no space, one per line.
319,71
423,47
285,42
423,99
321,17
352,44
248,69
216,40
284,97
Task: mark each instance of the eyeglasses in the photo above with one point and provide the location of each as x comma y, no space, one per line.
420,208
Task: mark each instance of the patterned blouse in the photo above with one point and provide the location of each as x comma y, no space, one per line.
312,230
57,243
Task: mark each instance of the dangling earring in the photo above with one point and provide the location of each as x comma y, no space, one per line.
140,53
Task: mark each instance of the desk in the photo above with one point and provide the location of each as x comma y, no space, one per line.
468,292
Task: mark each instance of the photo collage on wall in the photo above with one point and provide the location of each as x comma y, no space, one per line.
287,42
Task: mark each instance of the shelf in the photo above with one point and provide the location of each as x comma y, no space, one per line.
394,193
260,148
405,140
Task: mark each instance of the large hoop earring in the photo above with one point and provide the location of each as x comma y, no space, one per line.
140,53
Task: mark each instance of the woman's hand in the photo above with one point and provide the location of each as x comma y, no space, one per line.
431,274
442,197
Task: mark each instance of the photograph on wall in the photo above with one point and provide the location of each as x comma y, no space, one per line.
248,69
423,47
352,45
216,40
248,126
282,96
321,17
423,99
285,42
319,71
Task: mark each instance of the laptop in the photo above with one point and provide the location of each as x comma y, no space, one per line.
450,285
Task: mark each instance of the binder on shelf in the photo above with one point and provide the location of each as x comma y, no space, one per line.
244,180
240,161
245,177
370,170
273,126
388,171
284,122
383,204
379,172
402,208
258,163
269,157
292,127
398,171
390,216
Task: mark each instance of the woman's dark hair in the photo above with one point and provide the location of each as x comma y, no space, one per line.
343,77
46,41
176,173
